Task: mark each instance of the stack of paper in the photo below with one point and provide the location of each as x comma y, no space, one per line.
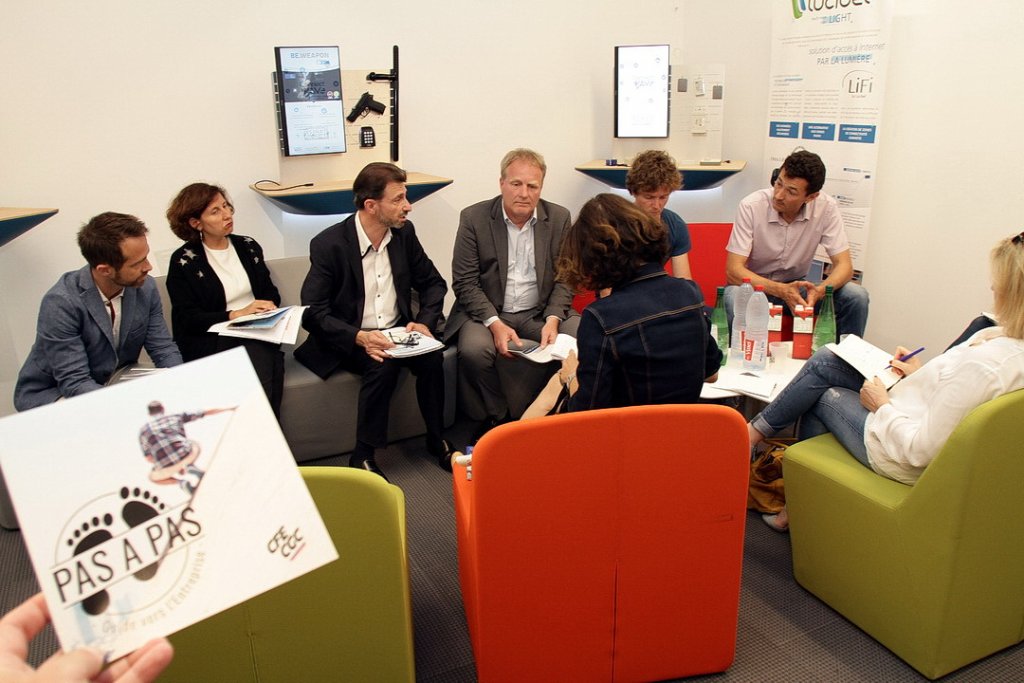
867,359
279,326
760,385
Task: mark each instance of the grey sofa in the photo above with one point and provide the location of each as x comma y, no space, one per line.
318,417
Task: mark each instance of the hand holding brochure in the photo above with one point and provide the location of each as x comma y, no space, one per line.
279,326
867,359
266,319
410,343
135,535
530,350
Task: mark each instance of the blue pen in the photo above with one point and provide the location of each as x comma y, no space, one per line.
906,357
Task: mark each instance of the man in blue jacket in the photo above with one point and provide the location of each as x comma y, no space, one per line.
98,318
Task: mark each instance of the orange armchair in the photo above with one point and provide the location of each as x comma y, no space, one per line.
604,545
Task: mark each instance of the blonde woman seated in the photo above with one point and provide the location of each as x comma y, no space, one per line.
898,432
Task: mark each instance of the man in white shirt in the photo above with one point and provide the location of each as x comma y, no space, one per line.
773,240
503,276
361,278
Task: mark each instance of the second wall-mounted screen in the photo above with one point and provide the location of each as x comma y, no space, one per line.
642,77
309,99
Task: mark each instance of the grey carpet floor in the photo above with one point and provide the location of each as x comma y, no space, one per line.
785,634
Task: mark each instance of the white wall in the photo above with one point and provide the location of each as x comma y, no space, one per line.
116,104
949,175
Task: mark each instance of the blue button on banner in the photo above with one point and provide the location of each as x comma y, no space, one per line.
818,131
783,129
848,133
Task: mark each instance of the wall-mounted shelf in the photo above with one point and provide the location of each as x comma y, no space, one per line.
697,177
14,222
336,197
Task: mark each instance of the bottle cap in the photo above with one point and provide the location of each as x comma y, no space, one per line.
758,288
746,279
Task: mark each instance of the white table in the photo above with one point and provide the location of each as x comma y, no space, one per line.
764,386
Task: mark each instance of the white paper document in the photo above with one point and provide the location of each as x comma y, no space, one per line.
153,504
280,326
130,372
410,343
266,319
756,384
530,350
866,358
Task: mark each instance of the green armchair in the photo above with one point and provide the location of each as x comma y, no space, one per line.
934,571
350,620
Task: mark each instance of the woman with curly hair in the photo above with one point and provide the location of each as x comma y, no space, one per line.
216,276
648,341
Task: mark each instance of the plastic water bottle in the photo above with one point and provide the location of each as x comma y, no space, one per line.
720,325
739,317
825,325
755,342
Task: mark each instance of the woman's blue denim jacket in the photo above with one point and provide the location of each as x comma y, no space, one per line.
648,342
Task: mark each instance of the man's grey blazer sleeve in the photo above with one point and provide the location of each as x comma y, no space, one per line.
467,279
159,344
62,347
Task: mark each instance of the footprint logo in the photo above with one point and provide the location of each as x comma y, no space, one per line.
108,517
140,506
87,536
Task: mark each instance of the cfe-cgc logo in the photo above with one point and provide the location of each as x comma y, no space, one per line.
117,541
288,544
810,6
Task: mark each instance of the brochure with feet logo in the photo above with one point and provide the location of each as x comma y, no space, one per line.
153,504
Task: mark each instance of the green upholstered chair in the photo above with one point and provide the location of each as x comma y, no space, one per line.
934,571
350,620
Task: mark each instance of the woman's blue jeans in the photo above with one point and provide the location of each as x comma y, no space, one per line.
826,393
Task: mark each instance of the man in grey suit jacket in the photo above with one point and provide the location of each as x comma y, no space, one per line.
98,318
503,276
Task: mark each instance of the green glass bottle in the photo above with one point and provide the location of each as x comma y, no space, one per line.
720,324
825,325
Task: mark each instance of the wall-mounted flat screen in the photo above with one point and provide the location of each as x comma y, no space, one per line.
642,78
309,100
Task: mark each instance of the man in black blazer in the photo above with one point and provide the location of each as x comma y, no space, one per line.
360,282
503,274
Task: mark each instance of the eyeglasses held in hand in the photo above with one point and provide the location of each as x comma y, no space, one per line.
410,339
